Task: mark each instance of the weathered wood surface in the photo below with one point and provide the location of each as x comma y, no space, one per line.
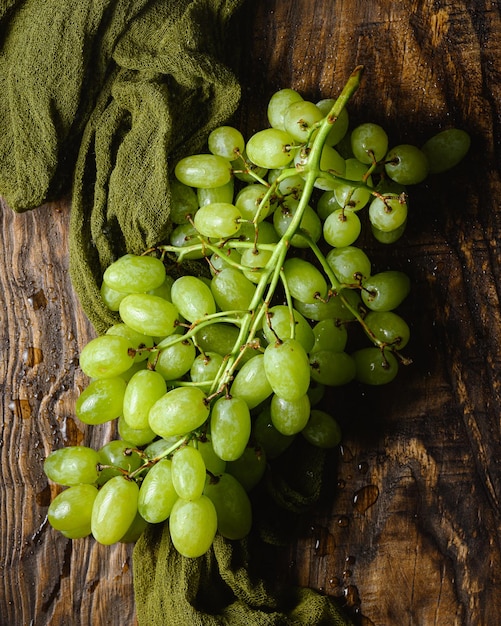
410,532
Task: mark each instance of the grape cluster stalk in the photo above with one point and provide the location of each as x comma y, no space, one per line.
212,376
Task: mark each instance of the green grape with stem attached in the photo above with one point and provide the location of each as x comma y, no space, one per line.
179,411
227,142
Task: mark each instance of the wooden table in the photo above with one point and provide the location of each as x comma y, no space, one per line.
410,531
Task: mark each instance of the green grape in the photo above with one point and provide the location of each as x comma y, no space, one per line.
327,204
227,142
386,290
136,436
224,259
290,416
406,164
335,308
369,142
192,298
249,469
349,264
139,342
183,202
188,473
291,185
251,384
213,463
282,323
230,427
349,196
148,314
342,228
160,447
116,457
218,220
333,369
232,504
178,412
164,290
185,236
340,125
107,356
268,437
214,195
193,526
114,510
141,393
278,105
389,328
232,291
388,237
310,224
270,148
287,369
329,335
134,274
70,511
264,231
316,393
205,367
101,401
254,260
322,430
300,117
111,298
446,149
389,213
135,530
203,170
373,367
305,282
156,493
219,338
72,465
249,199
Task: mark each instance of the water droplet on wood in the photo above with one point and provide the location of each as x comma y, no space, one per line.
32,356
365,498
38,300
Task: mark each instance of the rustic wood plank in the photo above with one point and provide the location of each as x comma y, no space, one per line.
409,531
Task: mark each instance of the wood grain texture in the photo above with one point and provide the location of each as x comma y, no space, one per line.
409,530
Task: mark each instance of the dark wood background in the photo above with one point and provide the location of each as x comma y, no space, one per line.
409,533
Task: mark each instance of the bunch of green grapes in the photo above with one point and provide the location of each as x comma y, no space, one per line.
213,376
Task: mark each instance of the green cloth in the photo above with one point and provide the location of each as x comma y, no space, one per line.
99,98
